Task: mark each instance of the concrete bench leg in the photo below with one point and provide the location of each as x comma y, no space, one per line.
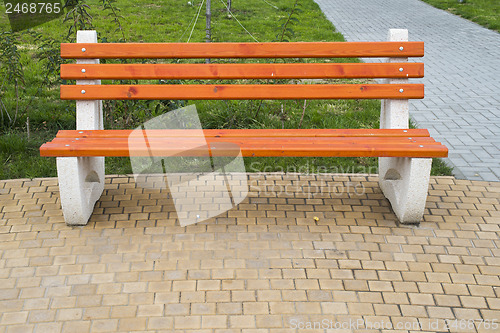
405,182
81,182
81,179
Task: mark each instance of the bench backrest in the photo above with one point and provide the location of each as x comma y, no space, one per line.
303,88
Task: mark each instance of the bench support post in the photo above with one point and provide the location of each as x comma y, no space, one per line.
81,179
404,181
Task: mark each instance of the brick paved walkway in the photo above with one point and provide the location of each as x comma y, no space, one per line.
267,266
462,75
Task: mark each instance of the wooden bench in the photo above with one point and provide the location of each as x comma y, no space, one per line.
405,154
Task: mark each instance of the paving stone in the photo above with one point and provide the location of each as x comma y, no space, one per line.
234,277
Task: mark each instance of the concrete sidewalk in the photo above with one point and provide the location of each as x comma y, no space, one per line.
301,249
462,75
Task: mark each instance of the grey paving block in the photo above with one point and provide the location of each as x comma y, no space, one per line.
489,176
496,171
482,154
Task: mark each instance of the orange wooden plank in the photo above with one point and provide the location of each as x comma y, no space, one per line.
358,132
201,141
242,50
268,151
222,92
353,149
241,71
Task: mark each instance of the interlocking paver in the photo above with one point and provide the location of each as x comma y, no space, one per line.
461,107
226,275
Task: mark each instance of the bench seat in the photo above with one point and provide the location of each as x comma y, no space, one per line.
252,142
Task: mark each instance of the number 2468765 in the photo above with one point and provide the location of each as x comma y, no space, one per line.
33,8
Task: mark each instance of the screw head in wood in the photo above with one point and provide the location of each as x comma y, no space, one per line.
83,91
401,48
84,49
401,69
401,90
83,70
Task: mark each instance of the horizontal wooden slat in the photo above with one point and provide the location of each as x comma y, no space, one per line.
201,141
242,50
243,133
254,142
223,92
355,147
241,71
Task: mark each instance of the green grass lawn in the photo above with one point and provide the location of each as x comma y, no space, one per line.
483,12
142,21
